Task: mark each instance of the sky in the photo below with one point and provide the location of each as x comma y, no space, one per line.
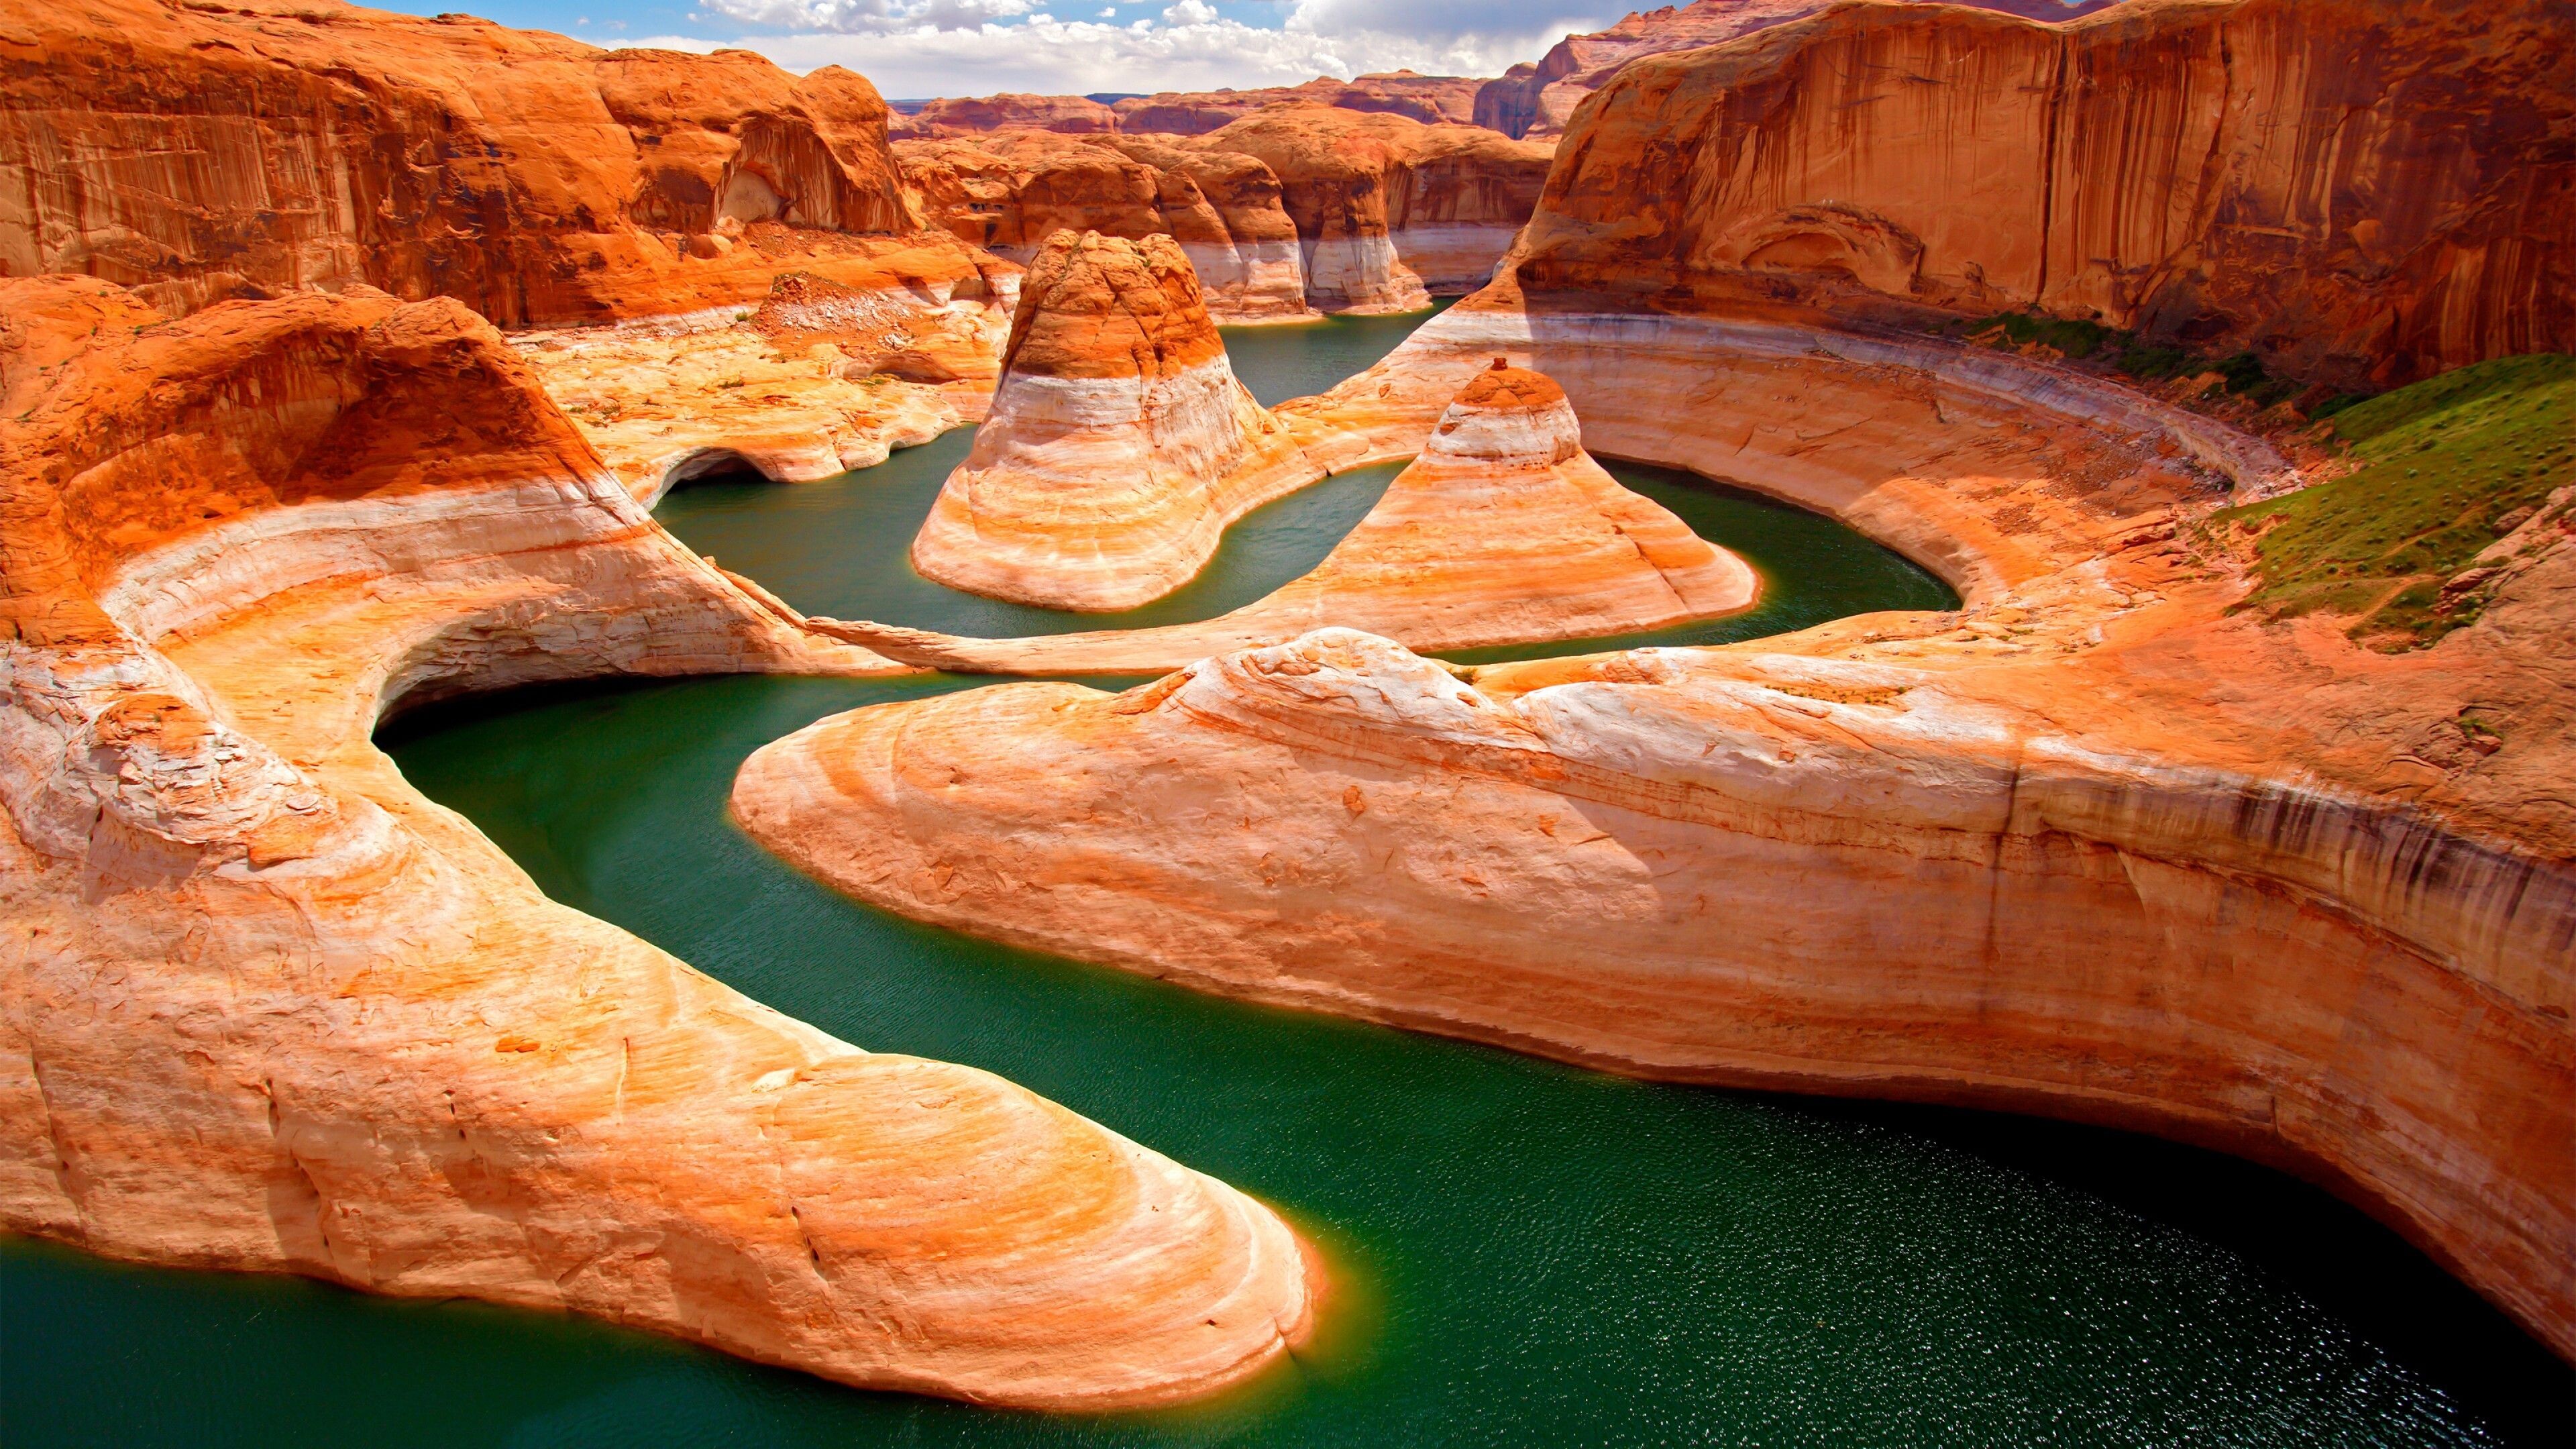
921,48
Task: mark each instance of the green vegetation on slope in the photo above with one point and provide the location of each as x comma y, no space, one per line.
2447,465
2081,341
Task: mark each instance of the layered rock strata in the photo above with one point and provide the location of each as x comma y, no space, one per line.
263,1006
2361,191
2064,852
1292,208
1119,444
207,152
1538,99
1009,192
1503,531
1387,210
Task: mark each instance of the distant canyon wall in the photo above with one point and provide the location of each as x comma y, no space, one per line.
2360,192
201,153
1292,209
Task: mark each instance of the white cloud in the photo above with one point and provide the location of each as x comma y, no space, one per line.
976,47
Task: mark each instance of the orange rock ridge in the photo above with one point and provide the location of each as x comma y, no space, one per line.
2063,852
1066,115
263,1006
2331,184
1119,444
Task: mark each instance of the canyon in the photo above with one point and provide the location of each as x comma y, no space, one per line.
269,1008
2121,839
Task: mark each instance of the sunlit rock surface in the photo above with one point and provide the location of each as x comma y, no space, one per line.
2363,191
210,152
1119,444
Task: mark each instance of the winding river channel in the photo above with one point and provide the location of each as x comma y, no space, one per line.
1532,1254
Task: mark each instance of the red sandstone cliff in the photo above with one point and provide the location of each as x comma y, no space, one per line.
2362,191
202,152
1538,99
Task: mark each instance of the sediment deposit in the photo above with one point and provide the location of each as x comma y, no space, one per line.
203,153
1119,444
2065,852
263,1006
1503,531
2334,185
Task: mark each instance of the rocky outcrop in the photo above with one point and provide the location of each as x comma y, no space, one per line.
265,1007
1430,99
1502,531
1011,110
1539,99
208,152
2362,192
1009,192
2063,852
1119,444
1387,210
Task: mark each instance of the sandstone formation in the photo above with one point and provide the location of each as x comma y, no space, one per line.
1119,444
819,379
1387,210
1503,531
2063,852
1382,212
1539,99
2362,191
1430,99
263,1006
1011,110
1010,191
205,152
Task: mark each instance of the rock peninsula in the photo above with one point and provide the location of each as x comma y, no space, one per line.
263,1006
1119,444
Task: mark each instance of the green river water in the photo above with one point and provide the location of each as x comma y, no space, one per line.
1536,1255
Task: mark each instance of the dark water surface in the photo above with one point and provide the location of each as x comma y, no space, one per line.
1535,1255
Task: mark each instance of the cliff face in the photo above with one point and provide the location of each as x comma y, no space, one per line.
1119,445
2361,192
1539,99
1010,191
264,1007
202,153
1388,210
1290,209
